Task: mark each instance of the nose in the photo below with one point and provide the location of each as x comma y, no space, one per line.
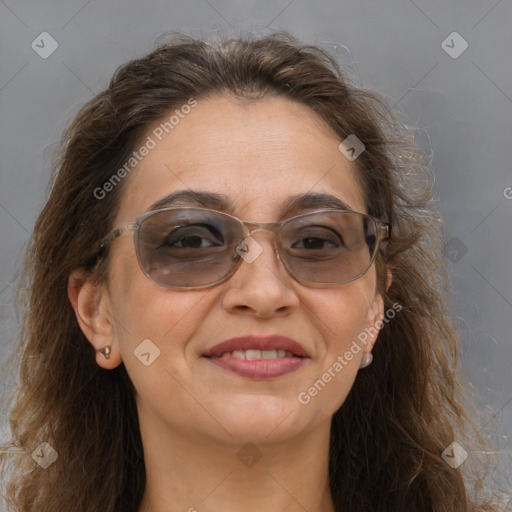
261,285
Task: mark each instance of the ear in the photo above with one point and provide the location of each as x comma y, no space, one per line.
90,302
375,315
389,278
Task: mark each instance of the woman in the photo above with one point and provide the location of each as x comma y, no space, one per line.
234,232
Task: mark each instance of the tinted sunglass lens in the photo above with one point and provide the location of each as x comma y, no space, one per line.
187,248
329,248
192,247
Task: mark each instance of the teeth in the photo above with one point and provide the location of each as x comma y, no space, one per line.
255,355
251,355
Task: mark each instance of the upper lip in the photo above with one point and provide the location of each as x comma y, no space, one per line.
251,341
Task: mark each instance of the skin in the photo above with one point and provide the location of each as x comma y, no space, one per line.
194,416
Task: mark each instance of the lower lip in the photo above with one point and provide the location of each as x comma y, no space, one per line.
259,368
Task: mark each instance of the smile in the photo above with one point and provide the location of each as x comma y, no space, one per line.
258,357
255,354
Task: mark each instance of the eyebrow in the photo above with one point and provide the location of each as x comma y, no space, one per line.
214,201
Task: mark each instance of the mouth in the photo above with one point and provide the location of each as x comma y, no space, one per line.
253,354
258,357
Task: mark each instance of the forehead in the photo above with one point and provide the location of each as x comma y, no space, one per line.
256,153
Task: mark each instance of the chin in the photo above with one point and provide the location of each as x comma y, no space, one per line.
262,420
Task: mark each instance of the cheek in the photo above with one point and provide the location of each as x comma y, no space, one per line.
155,327
341,316
143,310
343,313
167,317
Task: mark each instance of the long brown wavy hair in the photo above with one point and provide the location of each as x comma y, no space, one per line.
402,412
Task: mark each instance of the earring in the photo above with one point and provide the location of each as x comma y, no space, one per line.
106,351
366,360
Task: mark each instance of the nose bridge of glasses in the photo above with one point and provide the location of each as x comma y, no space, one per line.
252,227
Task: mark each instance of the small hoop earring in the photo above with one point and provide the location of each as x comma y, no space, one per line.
106,352
366,360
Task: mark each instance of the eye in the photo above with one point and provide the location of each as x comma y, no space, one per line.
317,239
193,237
313,243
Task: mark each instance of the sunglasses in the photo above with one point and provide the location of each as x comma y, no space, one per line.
190,248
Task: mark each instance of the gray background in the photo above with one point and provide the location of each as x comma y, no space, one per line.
461,108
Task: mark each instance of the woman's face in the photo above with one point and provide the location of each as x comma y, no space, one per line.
257,154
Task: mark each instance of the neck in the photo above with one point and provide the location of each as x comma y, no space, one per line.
187,473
